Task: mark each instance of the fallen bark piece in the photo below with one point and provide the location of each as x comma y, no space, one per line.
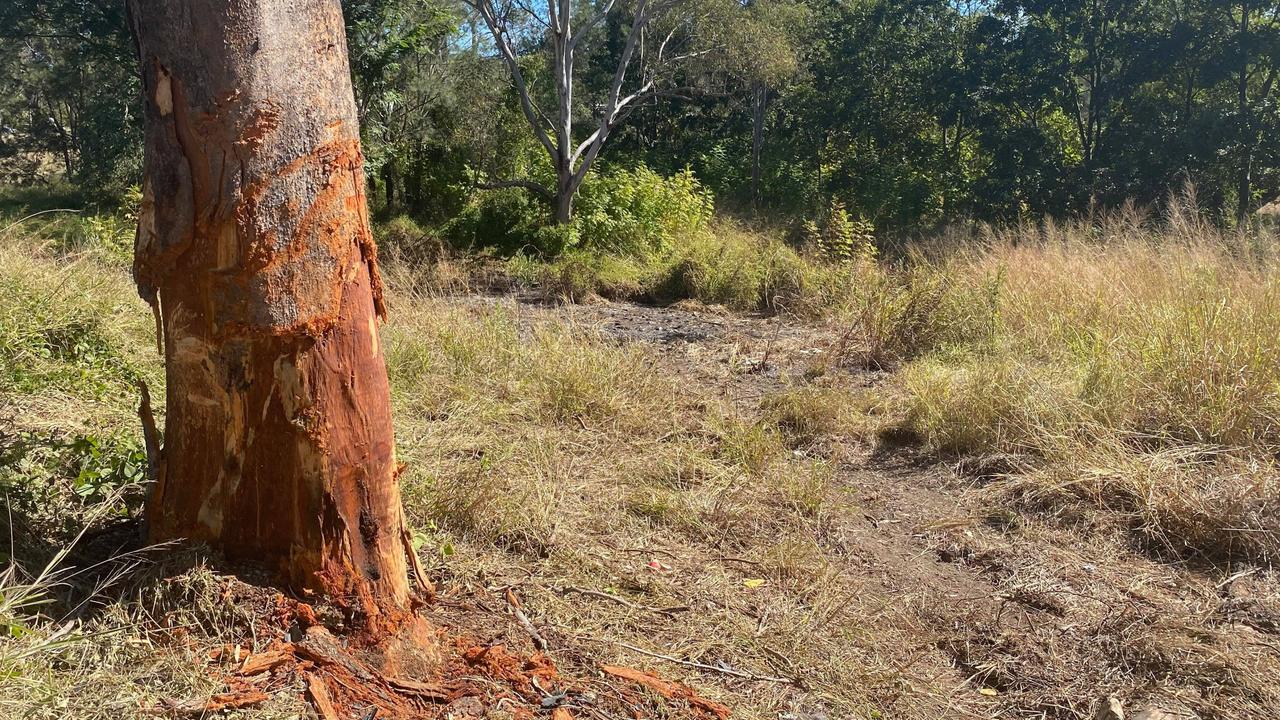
322,648
561,714
318,692
428,691
668,689
260,662
215,704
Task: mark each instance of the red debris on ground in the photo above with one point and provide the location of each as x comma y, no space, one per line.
668,689
496,662
237,698
348,677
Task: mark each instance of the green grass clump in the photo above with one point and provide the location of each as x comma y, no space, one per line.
726,265
72,328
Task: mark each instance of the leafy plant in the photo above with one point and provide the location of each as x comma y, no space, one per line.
54,479
840,237
106,466
633,212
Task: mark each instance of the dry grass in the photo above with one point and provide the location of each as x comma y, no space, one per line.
72,328
1134,363
707,506
539,453
547,456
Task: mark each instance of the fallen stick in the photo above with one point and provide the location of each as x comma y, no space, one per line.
524,621
668,689
712,668
623,601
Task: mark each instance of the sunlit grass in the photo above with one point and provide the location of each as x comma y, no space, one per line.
1134,362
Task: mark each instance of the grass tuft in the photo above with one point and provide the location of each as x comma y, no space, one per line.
1135,361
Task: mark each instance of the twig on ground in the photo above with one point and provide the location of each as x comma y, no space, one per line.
642,551
768,348
671,611
713,668
516,610
737,560
1235,577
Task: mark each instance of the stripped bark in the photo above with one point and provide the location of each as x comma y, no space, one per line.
254,244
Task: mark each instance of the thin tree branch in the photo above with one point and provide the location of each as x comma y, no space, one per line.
531,112
595,20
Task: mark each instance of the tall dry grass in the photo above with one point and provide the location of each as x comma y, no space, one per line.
1128,361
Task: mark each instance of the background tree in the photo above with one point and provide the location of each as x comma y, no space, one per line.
912,113
68,83
659,36
1251,59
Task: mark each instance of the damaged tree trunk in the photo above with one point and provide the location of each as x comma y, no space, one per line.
254,249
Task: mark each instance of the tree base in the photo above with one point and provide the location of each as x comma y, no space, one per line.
458,660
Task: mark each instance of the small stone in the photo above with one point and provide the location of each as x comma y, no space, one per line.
1109,708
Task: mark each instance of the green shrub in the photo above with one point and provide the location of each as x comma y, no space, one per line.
507,220
743,270
618,212
54,480
404,239
837,237
634,212
577,275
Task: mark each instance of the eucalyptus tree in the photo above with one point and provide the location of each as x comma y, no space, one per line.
255,252
1249,58
659,40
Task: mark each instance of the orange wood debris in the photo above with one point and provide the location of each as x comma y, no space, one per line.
668,689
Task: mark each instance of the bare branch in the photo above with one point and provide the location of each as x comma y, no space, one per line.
597,138
687,56
595,20
554,25
497,29
533,13
644,89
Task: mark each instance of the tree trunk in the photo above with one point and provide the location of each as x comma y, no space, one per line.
758,98
255,250
389,180
562,203
1244,186
1244,189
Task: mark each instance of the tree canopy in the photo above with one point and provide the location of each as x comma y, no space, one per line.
910,113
